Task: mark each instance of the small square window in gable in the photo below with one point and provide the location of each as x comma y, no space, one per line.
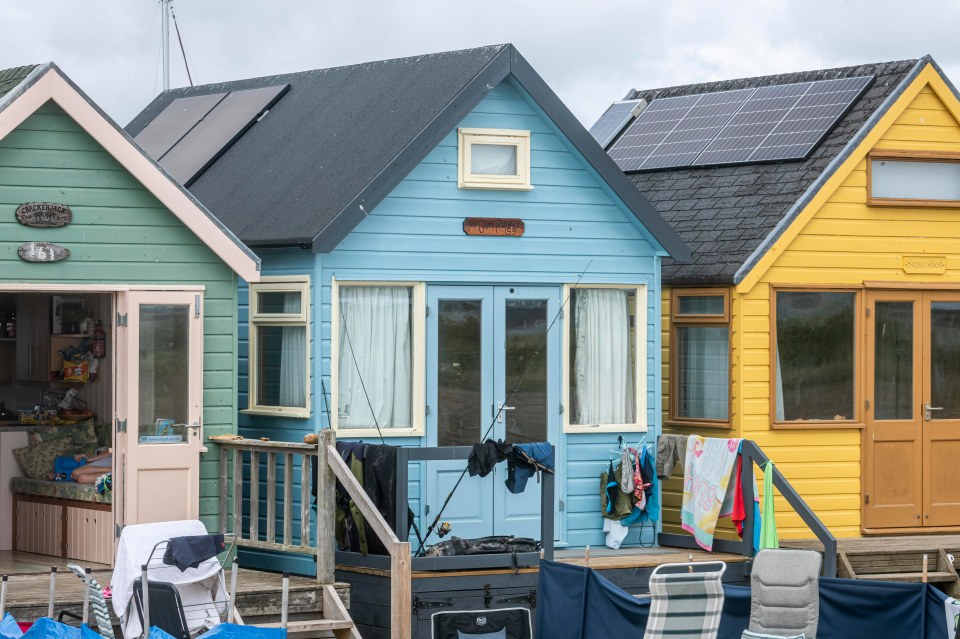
493,159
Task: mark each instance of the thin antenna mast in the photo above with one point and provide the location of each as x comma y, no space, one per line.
165,37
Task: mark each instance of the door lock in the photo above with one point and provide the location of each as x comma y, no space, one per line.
928,409
501,408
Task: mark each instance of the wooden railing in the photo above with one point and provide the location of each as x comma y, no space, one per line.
290,455
753,455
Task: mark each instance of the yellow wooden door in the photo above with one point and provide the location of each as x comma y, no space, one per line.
893,468
941,409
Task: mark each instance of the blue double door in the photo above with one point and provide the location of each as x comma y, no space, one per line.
493,372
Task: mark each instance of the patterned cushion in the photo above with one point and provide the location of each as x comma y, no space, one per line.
37,461
58,490
82,434
104,432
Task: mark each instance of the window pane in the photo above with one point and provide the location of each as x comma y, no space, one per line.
893,360
278,302
164,382
814,358
375,357
526,322
459,372
945,359
915,180
493,159
282,366
700,305
703,372
602,385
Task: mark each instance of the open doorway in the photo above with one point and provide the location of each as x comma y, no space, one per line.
57,416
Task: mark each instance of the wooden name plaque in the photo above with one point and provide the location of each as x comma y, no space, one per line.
494,226
42,252
44,215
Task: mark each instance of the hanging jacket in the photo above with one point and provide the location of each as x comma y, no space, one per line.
350,528
614,503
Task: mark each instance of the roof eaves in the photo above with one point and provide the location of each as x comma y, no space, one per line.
11,96
393,173
832,168
609,172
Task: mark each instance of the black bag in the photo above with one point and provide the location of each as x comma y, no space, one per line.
507,623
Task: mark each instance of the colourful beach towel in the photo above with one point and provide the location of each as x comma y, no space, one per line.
707,470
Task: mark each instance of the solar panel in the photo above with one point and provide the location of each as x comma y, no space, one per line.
784,122
174,122
614,119
219,129
673,131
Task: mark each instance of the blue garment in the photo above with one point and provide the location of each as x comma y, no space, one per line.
519,469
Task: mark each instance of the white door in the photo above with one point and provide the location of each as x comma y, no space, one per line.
160,390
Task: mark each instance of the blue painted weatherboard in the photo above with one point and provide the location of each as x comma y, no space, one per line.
575,227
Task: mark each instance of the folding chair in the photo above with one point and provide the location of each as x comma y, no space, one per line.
165,608
97,603
785,593
687,603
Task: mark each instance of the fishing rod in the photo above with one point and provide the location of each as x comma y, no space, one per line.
499,412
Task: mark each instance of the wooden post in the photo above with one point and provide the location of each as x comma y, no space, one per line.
271,498
326,509
224,487
238,493
586,556
145,592
254,526
3,595
53,590
924,576
305,501
233,591
85,616
401,606
285,600
288,499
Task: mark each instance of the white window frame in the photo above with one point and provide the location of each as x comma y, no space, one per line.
640,363
418,401
278,284
467,179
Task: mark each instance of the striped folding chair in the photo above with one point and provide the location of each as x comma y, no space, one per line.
686,601
101,613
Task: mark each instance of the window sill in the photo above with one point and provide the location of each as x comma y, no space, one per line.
387,433
494,186
911,204
576,429
817,426
679,423
296,413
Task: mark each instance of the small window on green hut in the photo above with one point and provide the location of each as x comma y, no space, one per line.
814,358
603,356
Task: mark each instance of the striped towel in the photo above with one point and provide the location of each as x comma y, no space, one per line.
97,603
685,605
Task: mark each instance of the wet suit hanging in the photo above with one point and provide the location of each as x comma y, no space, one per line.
380,483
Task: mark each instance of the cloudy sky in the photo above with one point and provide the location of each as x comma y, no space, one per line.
590,51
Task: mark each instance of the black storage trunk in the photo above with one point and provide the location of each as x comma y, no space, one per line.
436,592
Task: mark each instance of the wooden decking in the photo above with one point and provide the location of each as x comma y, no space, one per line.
258,593
607,559
886,543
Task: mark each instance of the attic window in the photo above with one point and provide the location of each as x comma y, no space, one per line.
914,179
494,159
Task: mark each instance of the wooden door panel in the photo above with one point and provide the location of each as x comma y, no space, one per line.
941,488
895,499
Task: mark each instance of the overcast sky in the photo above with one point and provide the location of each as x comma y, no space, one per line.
590,52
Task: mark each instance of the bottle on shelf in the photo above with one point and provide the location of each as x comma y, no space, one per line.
98,345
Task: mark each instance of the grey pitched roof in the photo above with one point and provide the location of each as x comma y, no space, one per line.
10,78
340,139
726,213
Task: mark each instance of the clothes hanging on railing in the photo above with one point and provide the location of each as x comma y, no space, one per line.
632,467
486,455
708,467
671,450
527,460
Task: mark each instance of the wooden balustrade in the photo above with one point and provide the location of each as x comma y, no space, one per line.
234,504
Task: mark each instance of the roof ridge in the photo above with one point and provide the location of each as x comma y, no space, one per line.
870,68
358,65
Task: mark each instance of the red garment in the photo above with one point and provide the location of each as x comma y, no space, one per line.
739,512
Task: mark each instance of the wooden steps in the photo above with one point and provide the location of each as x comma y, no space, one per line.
914,565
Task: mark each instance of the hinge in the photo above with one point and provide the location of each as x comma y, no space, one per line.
117,529
428,409
196,306
121,319
866,499
561,408
867,402
428,311
121,425
868,311
561,505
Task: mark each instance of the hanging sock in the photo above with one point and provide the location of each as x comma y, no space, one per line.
768,527
626,479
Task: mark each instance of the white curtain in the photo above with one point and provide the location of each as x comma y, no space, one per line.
603,365
493,159
293,357
704,372
375,357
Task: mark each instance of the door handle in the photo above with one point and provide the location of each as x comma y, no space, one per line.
928,409
195,427
501,407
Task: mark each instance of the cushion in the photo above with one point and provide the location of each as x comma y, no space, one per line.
82,434
58,490
104,432
785,592
37,461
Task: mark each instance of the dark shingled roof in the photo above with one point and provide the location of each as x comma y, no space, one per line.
10,78
340,139
724,213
